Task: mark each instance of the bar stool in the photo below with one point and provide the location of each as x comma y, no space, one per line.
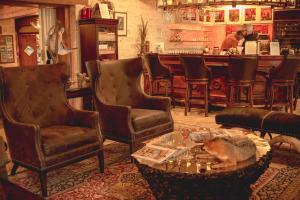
196,73
159,73
241,75
283,77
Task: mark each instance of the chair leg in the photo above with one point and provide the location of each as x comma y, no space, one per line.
228,93
150,87
132,149
291,99
295,96
272,97
14,169
231,95
186,102
190,96
43,180
172,92
166,88
101,161
251,96
157,87
206,100
267,97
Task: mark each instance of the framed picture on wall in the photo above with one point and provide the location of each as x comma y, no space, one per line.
201,15
266,14
189,14
208,16
250,14
6,49
122,28
234,16
220,16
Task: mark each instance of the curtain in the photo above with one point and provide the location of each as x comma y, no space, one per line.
47,17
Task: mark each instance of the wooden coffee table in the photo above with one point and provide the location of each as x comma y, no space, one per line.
192,175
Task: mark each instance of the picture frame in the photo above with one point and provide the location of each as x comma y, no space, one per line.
208,16
201,15
7,49
122,27
250,15
234,16
189,14
219,16
266,14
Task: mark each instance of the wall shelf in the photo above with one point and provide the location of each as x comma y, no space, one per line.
221,3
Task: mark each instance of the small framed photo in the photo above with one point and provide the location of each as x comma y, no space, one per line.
234,16
201,15
220,16
208,17
266,14
122,28
189,14
250,14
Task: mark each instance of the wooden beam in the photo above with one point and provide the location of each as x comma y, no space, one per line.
49,2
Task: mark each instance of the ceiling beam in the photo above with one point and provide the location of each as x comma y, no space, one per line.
46,2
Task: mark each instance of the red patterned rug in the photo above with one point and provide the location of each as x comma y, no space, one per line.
122,180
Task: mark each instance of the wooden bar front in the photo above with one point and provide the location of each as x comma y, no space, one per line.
218,65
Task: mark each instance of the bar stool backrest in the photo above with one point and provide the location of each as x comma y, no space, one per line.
155,68
194,67
242,68
287,70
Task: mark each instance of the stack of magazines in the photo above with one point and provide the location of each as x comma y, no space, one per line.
156,153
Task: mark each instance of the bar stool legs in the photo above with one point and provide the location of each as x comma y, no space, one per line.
206,100
189,96
156,84
234,92
289,97
187,99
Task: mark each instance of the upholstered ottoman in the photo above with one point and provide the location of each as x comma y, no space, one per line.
262,120
283,123
242,117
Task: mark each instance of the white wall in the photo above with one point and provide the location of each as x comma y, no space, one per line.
135,10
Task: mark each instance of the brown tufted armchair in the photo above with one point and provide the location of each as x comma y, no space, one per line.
127,114
43,132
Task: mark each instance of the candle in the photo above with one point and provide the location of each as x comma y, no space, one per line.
208,166
198,167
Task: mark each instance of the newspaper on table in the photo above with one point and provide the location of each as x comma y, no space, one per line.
154,153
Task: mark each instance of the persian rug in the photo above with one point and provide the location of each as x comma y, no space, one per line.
122,180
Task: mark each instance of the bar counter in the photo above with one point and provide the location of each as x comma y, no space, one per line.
218,65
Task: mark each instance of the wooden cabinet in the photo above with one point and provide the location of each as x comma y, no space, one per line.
98,40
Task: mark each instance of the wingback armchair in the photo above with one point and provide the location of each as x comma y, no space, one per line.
43,132
127,114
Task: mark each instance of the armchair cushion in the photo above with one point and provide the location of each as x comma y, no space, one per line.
144,118
59,139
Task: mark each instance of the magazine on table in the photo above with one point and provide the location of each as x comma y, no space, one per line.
153,153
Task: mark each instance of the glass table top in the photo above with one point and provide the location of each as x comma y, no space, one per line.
183,151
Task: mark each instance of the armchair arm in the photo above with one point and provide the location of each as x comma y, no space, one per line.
115,119
157,103
83,118
24,142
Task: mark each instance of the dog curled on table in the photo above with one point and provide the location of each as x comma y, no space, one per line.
230,149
